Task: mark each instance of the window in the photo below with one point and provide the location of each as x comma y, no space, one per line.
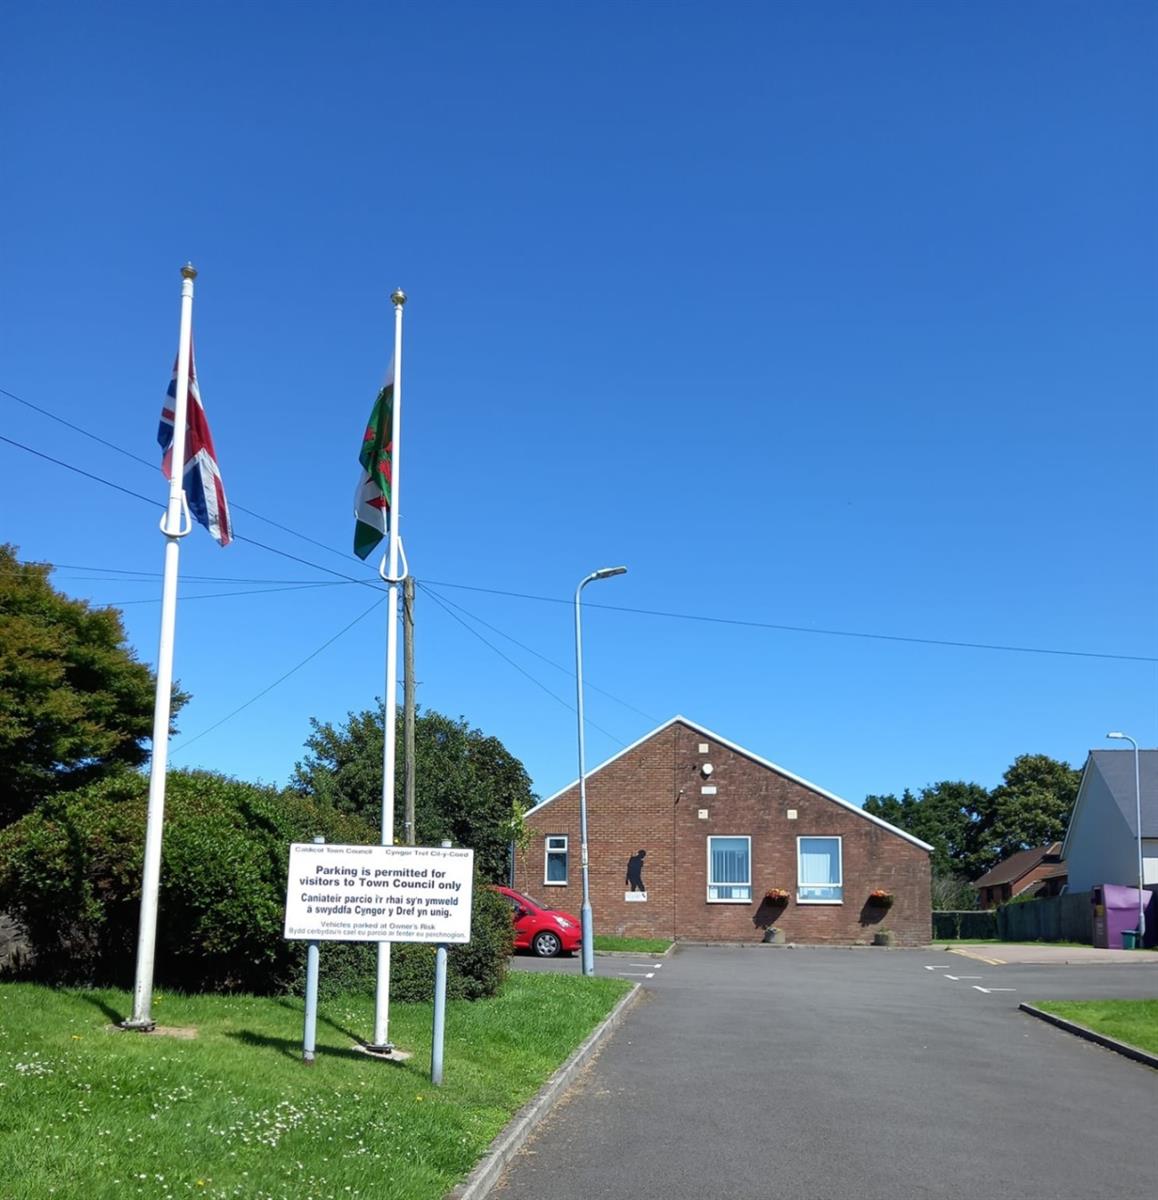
818,871
556,860
729,869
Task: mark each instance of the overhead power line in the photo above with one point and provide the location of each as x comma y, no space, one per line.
530,650
958,644
811,629
368,582
185,744
518,667
152,466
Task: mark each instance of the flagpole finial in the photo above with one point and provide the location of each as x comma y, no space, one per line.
398,296
188,271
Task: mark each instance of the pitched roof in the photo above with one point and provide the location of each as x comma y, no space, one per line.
1116,767
1011,869
1116,770
723,741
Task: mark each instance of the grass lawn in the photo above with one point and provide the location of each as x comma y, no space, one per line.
639,945
90,1113
1133,1021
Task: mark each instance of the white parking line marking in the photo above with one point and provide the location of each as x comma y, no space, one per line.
956,977
979,988
939,967
636,974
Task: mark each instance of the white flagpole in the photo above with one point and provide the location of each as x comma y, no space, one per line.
174,528
382,1041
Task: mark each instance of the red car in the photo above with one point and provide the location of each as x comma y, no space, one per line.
544,931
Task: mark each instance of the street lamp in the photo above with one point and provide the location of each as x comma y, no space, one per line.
1125,737
585,911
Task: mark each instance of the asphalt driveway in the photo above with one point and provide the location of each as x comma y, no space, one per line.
882,1075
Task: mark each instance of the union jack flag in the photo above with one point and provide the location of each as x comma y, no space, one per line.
204,491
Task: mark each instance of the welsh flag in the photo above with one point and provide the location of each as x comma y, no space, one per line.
372,499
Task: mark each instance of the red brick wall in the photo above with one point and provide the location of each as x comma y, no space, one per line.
650,798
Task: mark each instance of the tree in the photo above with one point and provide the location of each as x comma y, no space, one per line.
468,786
75,703
1032,805
949,815
972,829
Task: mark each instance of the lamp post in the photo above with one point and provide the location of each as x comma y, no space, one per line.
1125,737
585,911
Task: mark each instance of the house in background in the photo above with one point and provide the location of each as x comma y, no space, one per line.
1037,872
688,832
1101,844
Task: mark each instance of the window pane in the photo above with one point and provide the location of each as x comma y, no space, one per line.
729,869
729,860
556,865
819,861
819,869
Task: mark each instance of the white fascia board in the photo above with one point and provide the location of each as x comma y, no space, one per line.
723,741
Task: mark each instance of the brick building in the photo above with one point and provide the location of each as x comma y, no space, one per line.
1040,872
688,832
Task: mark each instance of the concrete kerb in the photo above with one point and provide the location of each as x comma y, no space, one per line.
520,1127
636,953
1109,1043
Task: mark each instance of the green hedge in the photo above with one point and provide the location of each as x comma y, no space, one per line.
473,971
70,873
949,926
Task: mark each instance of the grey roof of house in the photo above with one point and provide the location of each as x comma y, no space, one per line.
1116,767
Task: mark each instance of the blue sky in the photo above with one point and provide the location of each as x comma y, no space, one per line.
840,317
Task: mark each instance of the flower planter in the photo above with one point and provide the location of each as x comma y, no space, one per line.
774,937
883,937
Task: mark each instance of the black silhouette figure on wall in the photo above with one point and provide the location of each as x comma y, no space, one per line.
635,871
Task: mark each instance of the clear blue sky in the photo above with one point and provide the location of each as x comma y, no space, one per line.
835,316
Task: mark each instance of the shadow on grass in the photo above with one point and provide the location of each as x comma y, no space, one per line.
295,1006
115,1016
292,1048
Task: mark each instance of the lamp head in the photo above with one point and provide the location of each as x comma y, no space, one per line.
1119,736
607,572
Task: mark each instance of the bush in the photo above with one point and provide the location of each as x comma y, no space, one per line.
949,926
473,971
70,873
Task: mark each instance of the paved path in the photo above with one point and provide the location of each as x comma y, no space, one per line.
756,1074
1044,952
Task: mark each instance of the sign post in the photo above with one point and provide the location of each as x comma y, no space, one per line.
379,894
310,1031
439,1033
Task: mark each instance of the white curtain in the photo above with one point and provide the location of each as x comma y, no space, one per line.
729,860
819,862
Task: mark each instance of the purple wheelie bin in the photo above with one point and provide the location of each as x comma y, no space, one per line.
1116,913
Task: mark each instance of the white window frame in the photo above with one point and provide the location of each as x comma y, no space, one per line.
548,851
821,837
708,892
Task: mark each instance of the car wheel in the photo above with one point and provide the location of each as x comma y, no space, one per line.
546,944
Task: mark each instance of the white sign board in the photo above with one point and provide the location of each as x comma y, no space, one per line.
378,893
